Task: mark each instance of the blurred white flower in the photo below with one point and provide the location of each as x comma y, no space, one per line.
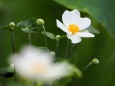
74,25
36,64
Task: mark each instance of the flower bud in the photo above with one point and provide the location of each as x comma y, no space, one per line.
53,53
95,61
40,22
12,25
57,36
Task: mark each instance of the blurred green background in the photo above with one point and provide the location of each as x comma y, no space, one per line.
102,14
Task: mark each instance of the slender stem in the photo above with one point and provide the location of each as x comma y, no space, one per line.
67,46
74,82
87,66
13,42
45,35
57,47
13,47
70,51
29,38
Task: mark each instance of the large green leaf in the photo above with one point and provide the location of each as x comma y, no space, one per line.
101,10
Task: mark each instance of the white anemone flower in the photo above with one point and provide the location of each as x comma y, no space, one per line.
36,64
74,25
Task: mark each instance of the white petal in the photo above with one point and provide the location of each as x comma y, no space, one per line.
59,70
74,38
85,34
83,23
61,26
70,17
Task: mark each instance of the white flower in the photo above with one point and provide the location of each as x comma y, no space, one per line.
74,25
36,64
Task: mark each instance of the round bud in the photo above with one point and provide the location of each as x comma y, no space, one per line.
95,61
40,22
12,25
58,36
53,53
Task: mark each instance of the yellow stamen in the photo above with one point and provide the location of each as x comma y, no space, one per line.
38,68
73,28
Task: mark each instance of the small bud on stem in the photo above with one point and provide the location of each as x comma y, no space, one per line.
40,22
95,61
57,37
12,25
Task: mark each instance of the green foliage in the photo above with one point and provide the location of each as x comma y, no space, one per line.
93,30
29,26
48,34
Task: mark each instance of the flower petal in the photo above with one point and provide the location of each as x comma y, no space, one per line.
85,34
58,70
83,23
74,38
62,27
70,17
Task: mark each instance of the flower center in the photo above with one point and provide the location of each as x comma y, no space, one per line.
73,28
37,68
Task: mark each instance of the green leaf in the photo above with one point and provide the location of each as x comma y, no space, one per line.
101,10
29,26
93,30
27,23
48,34
7,72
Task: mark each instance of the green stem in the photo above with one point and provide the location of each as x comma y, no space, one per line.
87,66
13,48
74,82
70,51
29,38
67,46
45,35
57,47
13,42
